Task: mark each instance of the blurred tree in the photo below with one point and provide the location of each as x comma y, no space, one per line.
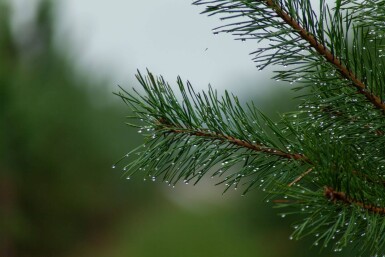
56,147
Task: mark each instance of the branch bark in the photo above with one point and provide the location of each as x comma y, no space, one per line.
234,141
336,196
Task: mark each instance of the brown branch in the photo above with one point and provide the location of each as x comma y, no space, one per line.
234,141
336,196
327,54
300,177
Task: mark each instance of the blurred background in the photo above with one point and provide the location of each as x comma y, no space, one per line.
61,129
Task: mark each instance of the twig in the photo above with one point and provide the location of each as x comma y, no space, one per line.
301,177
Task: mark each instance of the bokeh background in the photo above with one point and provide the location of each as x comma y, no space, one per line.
61,130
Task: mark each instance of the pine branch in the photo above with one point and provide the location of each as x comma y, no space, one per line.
327,54
224,131
290,49
326,160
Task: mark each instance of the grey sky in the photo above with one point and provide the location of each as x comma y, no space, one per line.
169,37
114,38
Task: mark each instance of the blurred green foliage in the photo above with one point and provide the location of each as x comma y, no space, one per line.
56,147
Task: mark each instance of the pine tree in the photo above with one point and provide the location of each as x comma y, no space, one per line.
325,162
